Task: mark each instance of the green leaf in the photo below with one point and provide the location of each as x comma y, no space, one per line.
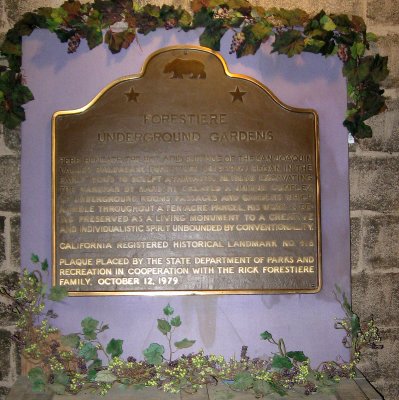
58,293
243,381
184,344
289,42
164,326
176,321
279,389
105,376
93,368
96,364
91,375
212,35
114,347
61,378
168,310
297,356
89,326
119,40
153,354
358,49
38,379
355,325
266,335
327,23
261,31
281,362
57,388
185,20
71,340
371,37
261,388
88,351
44,265
34,258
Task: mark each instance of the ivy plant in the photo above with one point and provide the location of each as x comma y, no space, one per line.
117,23
154,354
76,362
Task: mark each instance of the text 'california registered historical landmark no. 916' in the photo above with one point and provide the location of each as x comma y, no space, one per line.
186,179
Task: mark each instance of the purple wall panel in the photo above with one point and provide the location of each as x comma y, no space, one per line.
221,324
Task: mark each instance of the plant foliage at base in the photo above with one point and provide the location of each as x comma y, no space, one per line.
117,22
73,363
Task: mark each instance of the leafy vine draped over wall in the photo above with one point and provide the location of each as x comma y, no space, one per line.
117,22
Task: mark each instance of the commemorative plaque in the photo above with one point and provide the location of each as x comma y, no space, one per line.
186,179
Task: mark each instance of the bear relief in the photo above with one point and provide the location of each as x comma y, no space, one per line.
180,67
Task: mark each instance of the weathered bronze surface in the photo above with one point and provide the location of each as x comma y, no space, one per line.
186,179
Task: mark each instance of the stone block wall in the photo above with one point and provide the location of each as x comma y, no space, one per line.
374,171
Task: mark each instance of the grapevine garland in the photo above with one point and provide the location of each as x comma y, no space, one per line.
72,363
117,23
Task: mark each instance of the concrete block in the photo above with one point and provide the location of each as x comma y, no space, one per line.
12,139
376,294
377,364
385,130
383,11
387,46
10,281
380,244
15,260
4,390
2,240
351,7
9,183
374,182
5,356
356,236
388,387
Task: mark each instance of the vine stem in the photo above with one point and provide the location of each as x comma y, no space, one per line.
281,347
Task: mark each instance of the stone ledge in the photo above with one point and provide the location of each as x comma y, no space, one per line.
367,287
9,183
373,181
356,389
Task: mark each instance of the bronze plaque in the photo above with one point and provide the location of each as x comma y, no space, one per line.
186,179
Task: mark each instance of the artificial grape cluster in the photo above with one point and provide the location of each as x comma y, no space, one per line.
343,53
73,43
237,42
221,13
170,23
82,365
310,388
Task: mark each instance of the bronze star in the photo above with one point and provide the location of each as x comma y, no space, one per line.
237,95
132,95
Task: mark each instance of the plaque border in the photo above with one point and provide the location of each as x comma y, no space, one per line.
189,292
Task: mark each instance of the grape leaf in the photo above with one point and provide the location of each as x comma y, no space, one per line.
184,344
38,379
88,351
34,258
168,310
266,335
281,362
105,376
57,293
89,326
289,42
176,321
243,381
114,347
164,326
71,340
153,354
297,356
